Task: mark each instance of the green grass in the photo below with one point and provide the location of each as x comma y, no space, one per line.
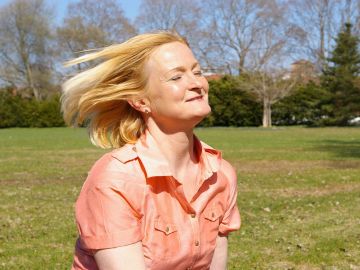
299,196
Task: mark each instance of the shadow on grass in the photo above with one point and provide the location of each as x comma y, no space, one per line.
341,148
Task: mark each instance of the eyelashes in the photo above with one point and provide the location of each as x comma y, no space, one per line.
178,76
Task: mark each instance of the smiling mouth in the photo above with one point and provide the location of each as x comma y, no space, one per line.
195,98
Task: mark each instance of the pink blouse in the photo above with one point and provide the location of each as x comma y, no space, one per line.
130,196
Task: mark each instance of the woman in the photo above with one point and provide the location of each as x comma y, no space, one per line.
162,199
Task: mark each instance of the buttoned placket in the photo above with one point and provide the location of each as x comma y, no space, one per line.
192,214
195,226
194,220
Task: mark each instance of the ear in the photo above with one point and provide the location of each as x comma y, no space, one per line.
141,105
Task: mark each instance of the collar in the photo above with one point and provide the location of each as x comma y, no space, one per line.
154,162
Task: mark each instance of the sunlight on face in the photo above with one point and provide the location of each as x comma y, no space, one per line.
177,90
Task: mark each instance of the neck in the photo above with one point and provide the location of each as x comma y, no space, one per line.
177,146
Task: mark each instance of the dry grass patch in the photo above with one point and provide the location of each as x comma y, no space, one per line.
317,192
274,166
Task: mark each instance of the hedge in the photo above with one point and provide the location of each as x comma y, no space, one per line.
19,112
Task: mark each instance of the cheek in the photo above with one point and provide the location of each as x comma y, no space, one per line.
206,85
177,92
171,93
166,98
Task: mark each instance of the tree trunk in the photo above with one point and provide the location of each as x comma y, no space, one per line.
31,82
321,56
28,71
266,114
241,64
323,16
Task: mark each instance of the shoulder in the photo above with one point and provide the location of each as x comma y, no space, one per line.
218,163
118,167
229,174
228,170
224,166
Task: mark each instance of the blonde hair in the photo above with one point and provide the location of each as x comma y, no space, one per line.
98,96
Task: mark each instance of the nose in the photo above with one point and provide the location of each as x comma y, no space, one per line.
195,83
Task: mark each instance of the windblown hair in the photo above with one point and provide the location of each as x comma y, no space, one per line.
98,96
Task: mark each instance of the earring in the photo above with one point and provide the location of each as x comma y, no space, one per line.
146,111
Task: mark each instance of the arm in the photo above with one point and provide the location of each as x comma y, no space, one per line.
121,258
219,260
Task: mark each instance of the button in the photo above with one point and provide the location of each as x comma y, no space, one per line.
197,243
167,229
193,215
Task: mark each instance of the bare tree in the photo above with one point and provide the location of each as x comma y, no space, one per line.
184,17
237,29
251,37
91,24
319,21
350,13
25,55
269,87
173,15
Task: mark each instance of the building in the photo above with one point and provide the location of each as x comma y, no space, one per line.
212,76
304,70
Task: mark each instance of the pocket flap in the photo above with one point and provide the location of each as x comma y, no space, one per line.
165,227
212,214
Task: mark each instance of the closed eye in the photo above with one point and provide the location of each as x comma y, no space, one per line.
198,73
176,78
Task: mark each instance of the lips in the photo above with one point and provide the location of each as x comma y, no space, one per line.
194,98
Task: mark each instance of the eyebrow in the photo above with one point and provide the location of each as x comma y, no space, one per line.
182,68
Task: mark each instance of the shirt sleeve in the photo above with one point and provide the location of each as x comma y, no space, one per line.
109,214
231,220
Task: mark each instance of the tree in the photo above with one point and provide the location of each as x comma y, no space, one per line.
25,52
238,30
350,13
339,78
173,15
317,23
269,87
301,107
231,105
92,24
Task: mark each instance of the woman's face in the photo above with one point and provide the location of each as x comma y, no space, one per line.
177,90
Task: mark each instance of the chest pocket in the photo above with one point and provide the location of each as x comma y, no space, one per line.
167,228
213,214
212,217
166,239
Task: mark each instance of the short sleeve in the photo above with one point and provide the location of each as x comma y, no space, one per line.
231,220
109,214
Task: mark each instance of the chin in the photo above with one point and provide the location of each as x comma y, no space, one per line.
203,112
201,115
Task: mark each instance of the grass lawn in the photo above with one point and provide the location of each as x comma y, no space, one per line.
299,196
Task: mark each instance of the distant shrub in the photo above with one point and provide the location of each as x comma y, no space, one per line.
231,106
303,107
19,112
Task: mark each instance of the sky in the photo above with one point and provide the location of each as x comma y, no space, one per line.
130,7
